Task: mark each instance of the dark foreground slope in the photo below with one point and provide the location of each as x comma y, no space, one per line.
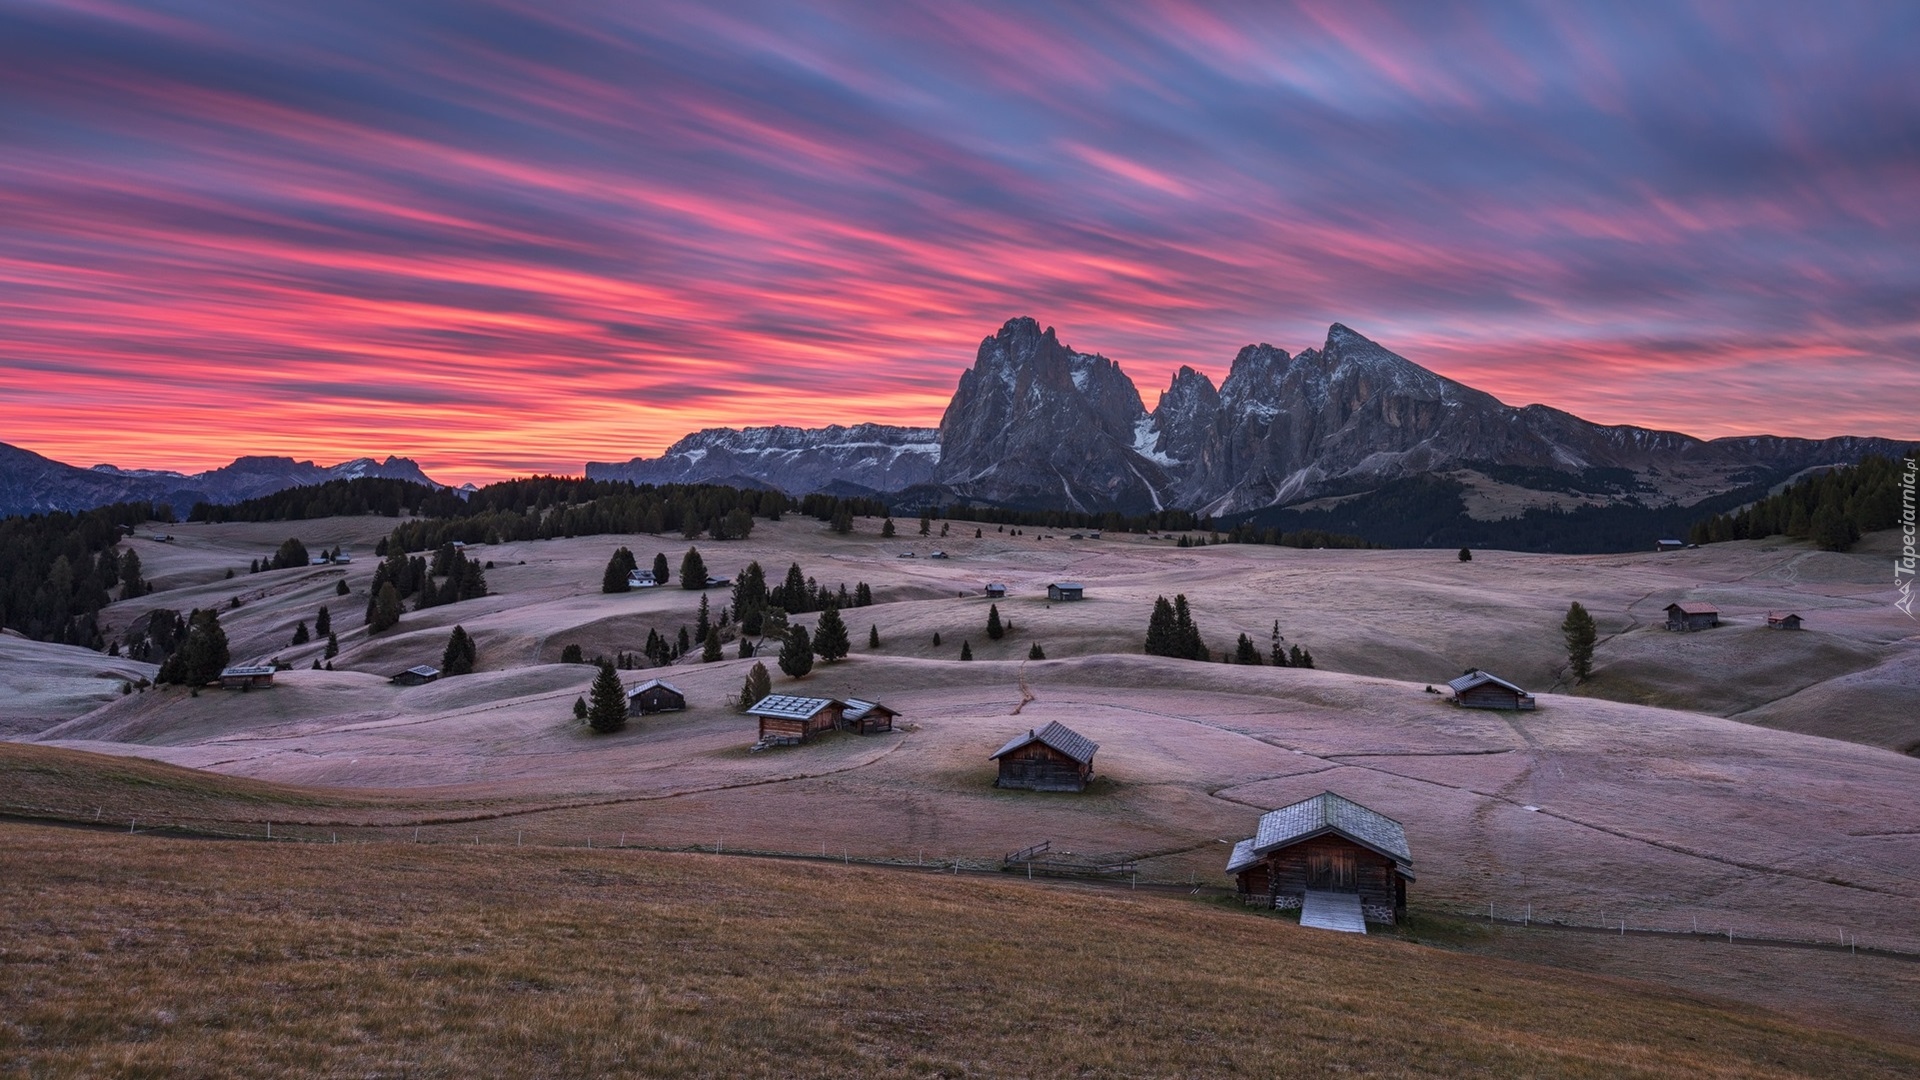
144,956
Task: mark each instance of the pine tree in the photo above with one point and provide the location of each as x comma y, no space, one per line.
796,655
333,646
757,686
300,635
1160,629
1277,652
385,612
1466,555
660,568
966,650
460,654
292,553
684,645
130,576
323,622
794,595
873,636
693,570
886,529
710,648
1245,653
1580,633
580,708
607,704
936,639
1035,652
926,522
1831,530
830,637
702,622
571,654
1306,659
614,580
340,588
1298,658
1187,643
994,630
862,595
746,648
201,655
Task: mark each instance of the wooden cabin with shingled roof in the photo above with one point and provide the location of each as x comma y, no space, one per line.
1325,844
1052,758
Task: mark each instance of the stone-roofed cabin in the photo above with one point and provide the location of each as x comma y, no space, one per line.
786,719
247,677
1783,620
1325,844
655,696
1052,758
996,591
1066,590
1480,690
1689,615
416,675
867,717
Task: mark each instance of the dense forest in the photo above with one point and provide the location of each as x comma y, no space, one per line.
1832,509
58,570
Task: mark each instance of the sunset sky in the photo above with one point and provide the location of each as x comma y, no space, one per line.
516,236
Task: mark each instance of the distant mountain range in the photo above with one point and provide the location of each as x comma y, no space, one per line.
31,484
1037,424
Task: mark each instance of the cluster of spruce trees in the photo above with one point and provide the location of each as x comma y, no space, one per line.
338,498
399,578
1832,509
201,653
1171,631
58,570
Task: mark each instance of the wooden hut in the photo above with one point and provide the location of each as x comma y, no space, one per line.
1325,844
416,675
868,717
1783,620
655,696
788,719
1066,590
640,579
1669,545
1480,690
1689,615
247,677
1053,758
996,591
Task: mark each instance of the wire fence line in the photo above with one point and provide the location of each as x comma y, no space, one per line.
1720,926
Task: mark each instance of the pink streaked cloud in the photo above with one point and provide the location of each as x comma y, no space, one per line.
505,237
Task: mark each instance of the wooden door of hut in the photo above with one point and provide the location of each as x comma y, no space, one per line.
1331,871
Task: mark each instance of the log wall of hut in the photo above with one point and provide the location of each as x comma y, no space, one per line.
781,727
1253,883
1038,767
655,699
1336,864
1488,696
876,722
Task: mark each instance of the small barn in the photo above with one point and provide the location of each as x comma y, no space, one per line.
1053,758
1783,620
1066,590
655,696
868,717
785,718
719,583
1481,690
1669,545
996,591
640,579
416,675
1325,844
1688,615
247,677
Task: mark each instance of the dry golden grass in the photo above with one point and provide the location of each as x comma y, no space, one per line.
139,956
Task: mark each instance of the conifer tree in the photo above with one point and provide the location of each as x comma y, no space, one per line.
385,612
333,646
1035,652
300,635
1186,635
862,595
130,576
830,637
1245,653
796,655
710,648
607,704
685,644
926,522
936,639
757,686
571,654
202,654
693,570
660,568
323,622
886,529
460,653
747,649
340,588
702,622
580,708
1161,640
873,636
994,630
966,650
1277,652
614,580
1466,555
1580,633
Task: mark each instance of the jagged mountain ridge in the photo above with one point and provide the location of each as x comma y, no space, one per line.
32,484
872,457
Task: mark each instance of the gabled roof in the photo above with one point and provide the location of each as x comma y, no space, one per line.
1066,585
1057,736
856,709
1329,813
1693,607
650,684
423,670
1480,678
247,669
1776,616
996,585
788,707
1242,857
